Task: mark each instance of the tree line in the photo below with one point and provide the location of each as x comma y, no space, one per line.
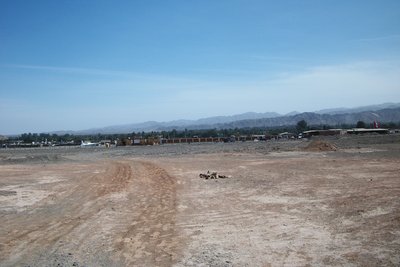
204,133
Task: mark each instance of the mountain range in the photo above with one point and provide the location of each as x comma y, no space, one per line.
388,112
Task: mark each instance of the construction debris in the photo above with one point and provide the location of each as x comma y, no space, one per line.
320,146
212,175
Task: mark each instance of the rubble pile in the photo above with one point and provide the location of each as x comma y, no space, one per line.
212,175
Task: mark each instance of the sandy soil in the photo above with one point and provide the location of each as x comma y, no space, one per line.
283,205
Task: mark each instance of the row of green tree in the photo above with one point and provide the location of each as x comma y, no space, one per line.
298,128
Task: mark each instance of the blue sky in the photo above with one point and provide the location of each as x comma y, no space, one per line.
71,65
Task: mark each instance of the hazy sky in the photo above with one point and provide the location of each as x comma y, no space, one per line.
70,65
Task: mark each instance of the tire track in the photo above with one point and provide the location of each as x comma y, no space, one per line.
32,237
151,238
120,213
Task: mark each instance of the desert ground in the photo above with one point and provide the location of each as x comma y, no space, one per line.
321,202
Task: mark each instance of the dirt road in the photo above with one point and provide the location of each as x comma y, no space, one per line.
96,214
283,205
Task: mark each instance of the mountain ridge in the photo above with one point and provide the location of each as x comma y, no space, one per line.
342,110
268,119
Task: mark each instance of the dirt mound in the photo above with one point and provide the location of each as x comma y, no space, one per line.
320,146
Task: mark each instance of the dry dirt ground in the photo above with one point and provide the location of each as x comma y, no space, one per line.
289,203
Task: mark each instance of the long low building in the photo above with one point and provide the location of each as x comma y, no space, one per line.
366,131
341,131
191,140
323,132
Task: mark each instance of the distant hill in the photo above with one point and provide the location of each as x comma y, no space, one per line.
384,115
181,124
358,109
388,112
244,116
292,113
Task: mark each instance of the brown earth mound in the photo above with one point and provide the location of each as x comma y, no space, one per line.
320,146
